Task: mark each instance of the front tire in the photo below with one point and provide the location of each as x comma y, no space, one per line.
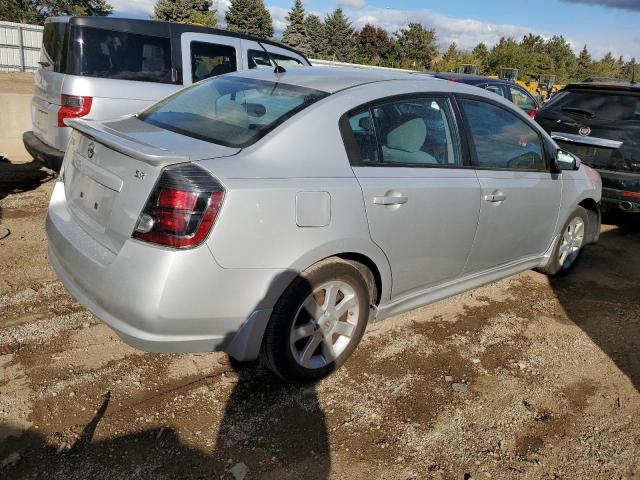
318,321
570,245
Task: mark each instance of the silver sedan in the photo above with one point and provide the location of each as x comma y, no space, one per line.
273,215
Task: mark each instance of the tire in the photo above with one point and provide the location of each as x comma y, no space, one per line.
314,355
558,267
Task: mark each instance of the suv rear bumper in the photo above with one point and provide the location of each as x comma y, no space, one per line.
52,157
620,191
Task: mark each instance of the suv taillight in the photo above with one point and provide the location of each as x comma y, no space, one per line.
182,208
73,106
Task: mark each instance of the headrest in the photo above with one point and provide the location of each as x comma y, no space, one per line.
409,136
232,113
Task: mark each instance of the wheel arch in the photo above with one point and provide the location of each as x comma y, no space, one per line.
592,208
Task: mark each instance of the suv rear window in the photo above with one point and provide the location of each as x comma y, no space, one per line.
260,59
121,55
231,111
597,104
54,46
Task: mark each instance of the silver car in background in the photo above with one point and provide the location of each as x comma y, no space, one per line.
101,68
274,215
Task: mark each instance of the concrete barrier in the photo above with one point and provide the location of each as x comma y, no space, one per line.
15,118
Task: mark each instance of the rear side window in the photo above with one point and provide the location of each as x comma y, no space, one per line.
54,46
418,131
260,59
502,139
211,60
597,104
122,55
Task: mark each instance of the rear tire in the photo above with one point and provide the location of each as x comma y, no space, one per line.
318,321
569,248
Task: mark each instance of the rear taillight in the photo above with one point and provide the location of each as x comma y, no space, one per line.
73,106
533,113
182,208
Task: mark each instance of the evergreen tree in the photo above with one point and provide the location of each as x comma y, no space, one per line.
481,56
316,35
450,59
562,57
250,17
186,11
505,54
339,37
295,35
416,46
584,65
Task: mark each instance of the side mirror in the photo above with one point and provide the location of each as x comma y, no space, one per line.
567,161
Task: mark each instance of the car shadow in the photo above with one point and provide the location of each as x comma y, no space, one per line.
21,177
269,429
602,294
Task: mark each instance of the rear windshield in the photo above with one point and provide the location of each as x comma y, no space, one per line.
597,104
231,111
54,46
121,55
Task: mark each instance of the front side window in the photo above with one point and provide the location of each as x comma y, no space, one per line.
121,55
260,59
502,139
211,60
522,100
230,110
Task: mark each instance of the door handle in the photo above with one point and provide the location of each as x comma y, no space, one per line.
495,197
390,200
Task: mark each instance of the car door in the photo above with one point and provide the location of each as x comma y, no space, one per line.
422,205
206,55
520,197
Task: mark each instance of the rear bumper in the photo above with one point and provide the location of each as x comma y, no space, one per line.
620,191
157,299
52,157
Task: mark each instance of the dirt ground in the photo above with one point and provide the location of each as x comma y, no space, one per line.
525,378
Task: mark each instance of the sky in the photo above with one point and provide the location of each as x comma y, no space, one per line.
604,25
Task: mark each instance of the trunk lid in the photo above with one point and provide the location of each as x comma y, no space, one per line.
111,169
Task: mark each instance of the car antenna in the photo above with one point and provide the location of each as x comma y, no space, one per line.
278,70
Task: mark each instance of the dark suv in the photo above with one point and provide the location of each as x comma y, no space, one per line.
600,123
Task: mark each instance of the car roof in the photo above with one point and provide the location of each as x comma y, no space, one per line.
332,79
469,78
614,85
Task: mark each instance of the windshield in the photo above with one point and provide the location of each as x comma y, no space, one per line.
230,111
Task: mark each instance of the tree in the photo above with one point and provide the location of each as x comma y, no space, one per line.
250,17
373,44
186,11
584,65
450,59
316,34
21,11
416,46
505,54
562,57
97,8
340,45
295,35
480,55
607,66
